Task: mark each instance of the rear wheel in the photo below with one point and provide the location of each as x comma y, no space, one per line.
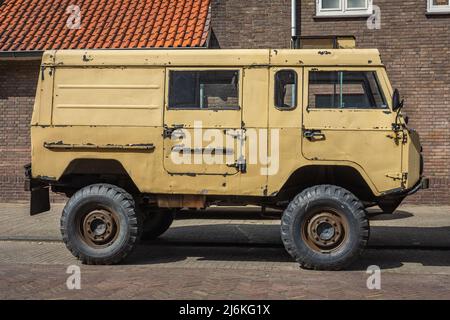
325,228
100,225
157,221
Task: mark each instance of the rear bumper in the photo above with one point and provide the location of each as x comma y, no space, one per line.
422,184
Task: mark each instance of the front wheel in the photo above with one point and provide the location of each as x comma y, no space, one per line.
325,228
100,224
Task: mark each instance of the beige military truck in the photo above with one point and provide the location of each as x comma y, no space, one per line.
131,137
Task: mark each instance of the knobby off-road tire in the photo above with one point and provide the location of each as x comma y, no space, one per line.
100,225
325,228
157,221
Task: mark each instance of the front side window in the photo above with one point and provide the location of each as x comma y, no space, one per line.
345,90
212,89
286,89
329,8
439,6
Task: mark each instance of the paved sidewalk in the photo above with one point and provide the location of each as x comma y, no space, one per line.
229,253
145,281
410,226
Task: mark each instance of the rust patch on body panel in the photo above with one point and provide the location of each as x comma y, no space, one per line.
182,201
60,145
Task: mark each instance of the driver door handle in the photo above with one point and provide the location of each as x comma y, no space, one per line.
313,135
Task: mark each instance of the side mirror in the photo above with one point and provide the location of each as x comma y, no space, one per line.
396,102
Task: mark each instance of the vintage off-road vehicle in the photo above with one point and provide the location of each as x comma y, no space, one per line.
133,136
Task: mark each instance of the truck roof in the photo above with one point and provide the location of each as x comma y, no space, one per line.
214,57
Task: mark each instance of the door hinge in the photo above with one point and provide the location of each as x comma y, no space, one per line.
239,134
405,138
240,165
398,136
396,127
403,177
43,69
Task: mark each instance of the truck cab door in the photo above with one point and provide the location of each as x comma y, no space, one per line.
348,120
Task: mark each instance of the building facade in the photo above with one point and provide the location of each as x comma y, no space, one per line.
412,36
30,26
414,41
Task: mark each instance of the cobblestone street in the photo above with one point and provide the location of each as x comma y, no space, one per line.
227,254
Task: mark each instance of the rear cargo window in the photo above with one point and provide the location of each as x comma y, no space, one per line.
345,90
215,89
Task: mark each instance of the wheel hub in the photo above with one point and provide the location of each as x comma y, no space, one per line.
325,231
99,227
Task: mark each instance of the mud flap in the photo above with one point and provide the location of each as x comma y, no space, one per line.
390,205
40,201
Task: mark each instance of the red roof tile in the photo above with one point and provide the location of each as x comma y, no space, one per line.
27,25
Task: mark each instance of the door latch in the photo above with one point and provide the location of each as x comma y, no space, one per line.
168,131
313,135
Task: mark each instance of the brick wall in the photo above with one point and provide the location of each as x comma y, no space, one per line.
416,51
18,81
252,23
415,48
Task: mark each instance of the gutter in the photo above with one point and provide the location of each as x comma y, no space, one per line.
293,22
37,55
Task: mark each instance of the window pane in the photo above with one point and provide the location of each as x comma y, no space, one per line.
440,2
204,89
183,90
356,4
347,89
286,89
323,90
330,4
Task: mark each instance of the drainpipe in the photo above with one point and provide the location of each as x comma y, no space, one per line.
293,22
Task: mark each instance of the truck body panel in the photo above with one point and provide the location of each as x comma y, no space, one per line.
114,105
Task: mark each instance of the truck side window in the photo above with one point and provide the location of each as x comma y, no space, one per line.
345,90
286,89
212,89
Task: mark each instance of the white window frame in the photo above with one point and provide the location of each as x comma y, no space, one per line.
437,9
343,10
